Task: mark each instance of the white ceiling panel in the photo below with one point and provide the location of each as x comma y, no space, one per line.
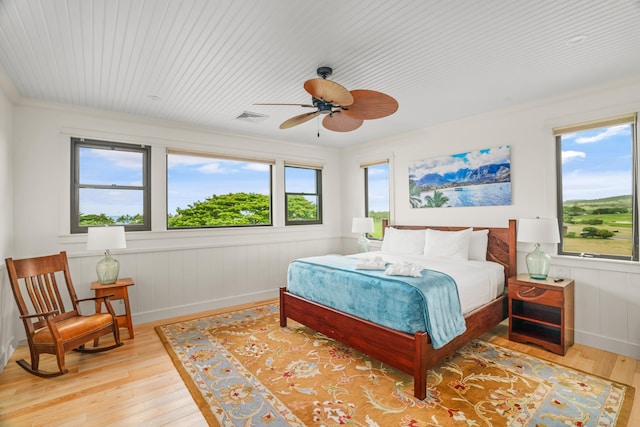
205,62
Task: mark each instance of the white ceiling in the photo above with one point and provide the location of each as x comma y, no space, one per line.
204,62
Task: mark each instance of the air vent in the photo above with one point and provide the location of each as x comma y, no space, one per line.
249,116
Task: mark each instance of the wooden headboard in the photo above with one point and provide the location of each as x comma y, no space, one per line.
501,247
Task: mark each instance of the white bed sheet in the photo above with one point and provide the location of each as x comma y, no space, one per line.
479,282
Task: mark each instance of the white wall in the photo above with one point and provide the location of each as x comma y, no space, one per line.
185,271
607,306
179,271
9,322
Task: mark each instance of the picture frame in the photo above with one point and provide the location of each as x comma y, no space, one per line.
474,178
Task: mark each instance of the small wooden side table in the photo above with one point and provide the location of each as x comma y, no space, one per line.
541,312
119,291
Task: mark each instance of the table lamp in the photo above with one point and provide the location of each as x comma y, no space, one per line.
538,230
362,226
106,238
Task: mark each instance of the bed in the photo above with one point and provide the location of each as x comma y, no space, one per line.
412,353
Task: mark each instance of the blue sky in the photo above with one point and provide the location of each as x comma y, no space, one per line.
107,167
597,163
379,187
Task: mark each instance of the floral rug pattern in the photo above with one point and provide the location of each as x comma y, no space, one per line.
243,369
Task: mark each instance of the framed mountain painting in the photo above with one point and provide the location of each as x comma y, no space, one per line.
476,178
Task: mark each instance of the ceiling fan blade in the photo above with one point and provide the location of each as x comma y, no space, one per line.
339,122
328,91
296,105
369,105
296,120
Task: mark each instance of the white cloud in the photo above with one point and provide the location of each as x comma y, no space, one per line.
209,165
606,133
471,160
258,167
118,158
212,167
476,159
569,155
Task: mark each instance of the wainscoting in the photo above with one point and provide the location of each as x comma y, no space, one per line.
607,302
11,329
172,282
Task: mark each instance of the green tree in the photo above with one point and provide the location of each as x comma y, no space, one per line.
128,219
225,209
95,219
437,200
574,210
589,232
605,234
414,195
593,221
301,209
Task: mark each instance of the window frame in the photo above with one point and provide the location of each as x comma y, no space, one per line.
630,119
223,157
76,143
318,194
365,169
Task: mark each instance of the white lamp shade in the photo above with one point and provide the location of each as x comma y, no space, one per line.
362,225
538,230
103,238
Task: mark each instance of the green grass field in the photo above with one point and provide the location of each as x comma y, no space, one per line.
621,224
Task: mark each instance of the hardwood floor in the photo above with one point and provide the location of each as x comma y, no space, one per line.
136,384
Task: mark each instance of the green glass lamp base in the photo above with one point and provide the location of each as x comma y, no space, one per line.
363,243
538,263
108,269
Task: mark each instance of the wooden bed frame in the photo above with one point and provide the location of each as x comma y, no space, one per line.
412,354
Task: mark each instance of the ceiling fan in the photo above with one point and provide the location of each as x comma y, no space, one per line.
344,110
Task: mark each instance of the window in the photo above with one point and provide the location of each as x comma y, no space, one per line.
376,190
109,185
303,195
213,191
597,181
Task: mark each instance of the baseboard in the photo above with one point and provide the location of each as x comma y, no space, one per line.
608,344
9,350
169,312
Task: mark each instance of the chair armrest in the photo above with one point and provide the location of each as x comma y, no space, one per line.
104,300
48,313
104,297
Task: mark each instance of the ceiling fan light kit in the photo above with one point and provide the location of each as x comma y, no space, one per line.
344,110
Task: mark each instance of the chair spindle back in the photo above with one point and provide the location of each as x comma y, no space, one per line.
41,279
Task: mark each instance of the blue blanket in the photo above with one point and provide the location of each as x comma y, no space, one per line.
409,304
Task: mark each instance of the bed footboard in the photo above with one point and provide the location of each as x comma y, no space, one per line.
402,351
412,354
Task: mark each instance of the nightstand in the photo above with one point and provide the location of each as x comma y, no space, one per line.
119,291
541,312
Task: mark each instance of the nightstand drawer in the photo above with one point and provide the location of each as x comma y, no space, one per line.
541,312
536,294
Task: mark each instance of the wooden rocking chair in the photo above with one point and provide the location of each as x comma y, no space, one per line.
49,326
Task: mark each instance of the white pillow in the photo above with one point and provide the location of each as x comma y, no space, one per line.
478,245
407,242
448,244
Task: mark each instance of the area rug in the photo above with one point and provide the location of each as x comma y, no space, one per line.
243,369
